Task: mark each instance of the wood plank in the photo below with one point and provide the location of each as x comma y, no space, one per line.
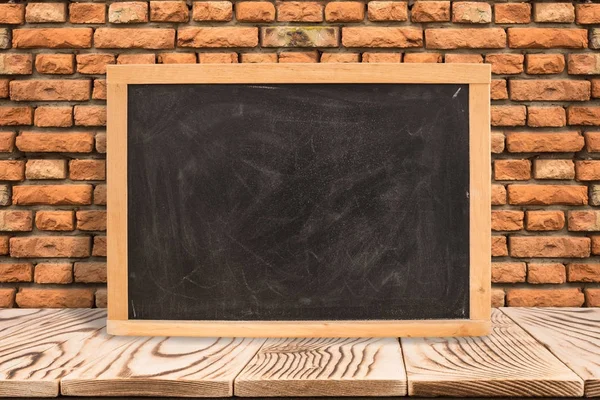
324,367
508,362
11,319
571,334
40,345
159,366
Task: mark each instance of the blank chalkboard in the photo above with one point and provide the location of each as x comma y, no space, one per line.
298,202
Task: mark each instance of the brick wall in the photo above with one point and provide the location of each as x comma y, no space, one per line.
545,121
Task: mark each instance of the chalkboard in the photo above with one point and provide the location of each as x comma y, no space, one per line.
298,202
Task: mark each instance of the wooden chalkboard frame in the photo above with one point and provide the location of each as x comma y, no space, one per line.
476,76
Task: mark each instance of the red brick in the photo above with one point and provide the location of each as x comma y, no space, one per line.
94,63
87,13
549,90
10,116
7,297
387,10
259,58
546,116
422,58
508,115
545,220
587,272
499,248
592,297
50,246
498,90
592,141
430,11
446,38
345,11
507,220
54,220
588,13
52,194
46,169
128,12
46,12
503,63
464,58
498,195
87,170
7,142
541,273
50,116
72,142
99,92
553,169
577,115
512,13
90,272
12,170
55,298
12,14
99,248
554,12
255,11
570,297
53,38
177,58
550,142
54,63
547,38
147,58
369,36
16,272
470,12
381,57
584,64
212,11
15,221
545,63
512,170
549,246
50,90
340,57
588,170
59,273
169,11
15,64
230,36
132,38
574,195
89,115
299,11
508,272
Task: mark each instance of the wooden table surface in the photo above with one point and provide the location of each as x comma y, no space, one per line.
532,352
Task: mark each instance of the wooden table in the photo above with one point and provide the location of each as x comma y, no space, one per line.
530,353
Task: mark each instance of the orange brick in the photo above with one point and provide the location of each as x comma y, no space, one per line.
55,298
588,13
549,90
570,297
574,195
230,36
90,272
15,64
94,220
89,115
177,58
87,170
50,90
101,142
546,116
584,64
46,12
592,297
464,58
577,115
553,169
54,220
259,58
422,58
554,12
387,10
550,142
299,57
94,63
430,11
218,58
345,11
99,248
46,169
540,273
12,14
12,170
549,246
447,38
299,11
584,272
497,297
592,141
101,298
588,170
10,116
7,142
72,142
99,92
15,221
545,220
370,36
128,12
255,11
50,116
547,38
512,13
52,194
505,63
508,115
498,90
16,272
134,38
100,195
87,13
148,58
545,63
512,170
499,248
381,57
4,88
508,272
59,273
498,195
7,297
50,246
212,11
507,220
584,220
169,11
470,12
53,38
340,57
54,63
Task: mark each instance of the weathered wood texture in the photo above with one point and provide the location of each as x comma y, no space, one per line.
572,335
509,362
159,366
36,353
324,367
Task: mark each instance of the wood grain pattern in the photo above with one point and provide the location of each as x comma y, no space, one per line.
38,353
159,366
14,319
324,367
571,334
509,362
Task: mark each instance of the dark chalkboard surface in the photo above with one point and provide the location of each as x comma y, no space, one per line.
298,201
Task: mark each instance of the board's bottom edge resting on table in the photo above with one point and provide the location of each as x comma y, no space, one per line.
146,387
300,329
320,388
